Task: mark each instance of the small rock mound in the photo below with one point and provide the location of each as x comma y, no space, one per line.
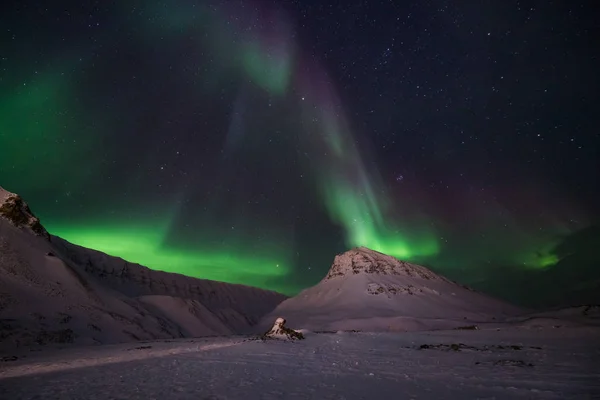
280,331
367,261
15,210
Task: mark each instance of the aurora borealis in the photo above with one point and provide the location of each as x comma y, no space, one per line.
250,142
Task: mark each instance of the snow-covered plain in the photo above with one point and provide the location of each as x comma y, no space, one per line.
549,363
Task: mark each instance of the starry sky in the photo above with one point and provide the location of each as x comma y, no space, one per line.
251,141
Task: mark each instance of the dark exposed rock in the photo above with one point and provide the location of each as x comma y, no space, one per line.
280,331
15,210
58,336
513,363
467,328
363,260
462,346
140,348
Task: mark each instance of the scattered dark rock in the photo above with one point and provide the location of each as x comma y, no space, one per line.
60,336
95,327
588,308
462,346
50,254
457,347
467,328
5,325
9,358
132,335
140,348
38,316
513,363
64,318
447,347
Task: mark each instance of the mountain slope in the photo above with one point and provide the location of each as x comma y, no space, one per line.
238,306
368,290
52,291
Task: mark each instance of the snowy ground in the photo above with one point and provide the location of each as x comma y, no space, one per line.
531,363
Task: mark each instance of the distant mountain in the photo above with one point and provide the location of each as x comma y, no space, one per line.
573,281
368,290
52,291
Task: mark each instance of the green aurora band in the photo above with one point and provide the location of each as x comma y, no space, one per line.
266,58
37,122
354,195
144,244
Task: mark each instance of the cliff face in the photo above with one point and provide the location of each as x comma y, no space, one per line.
366,261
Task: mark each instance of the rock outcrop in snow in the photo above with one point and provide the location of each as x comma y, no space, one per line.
280,331
368,290
364,260
52,291
17,212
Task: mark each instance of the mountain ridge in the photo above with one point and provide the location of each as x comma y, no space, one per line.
53,291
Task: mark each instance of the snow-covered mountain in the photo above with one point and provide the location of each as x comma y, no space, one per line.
368,290
52,291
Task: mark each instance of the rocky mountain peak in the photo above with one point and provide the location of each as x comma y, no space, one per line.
15,210
362,260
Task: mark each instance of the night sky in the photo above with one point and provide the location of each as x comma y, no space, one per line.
251,141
